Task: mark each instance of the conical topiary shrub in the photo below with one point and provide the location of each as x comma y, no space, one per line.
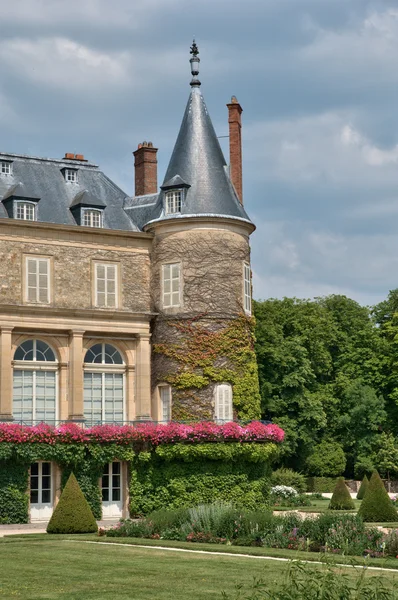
341,499
363,488
376,506
72,513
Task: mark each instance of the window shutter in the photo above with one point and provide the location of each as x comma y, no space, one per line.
223,408
38,280
106,285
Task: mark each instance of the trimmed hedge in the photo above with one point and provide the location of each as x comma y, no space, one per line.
290,478
376,506
168,481
14,499
363,488
72,513
322,485
341,499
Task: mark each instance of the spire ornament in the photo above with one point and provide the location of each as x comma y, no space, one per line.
195,60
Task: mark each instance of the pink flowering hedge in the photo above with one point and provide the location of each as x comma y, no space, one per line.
143,433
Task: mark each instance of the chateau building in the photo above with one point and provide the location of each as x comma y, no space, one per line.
117,309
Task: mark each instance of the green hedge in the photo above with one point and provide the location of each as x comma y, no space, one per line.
160,481
323,485
172,476
14,500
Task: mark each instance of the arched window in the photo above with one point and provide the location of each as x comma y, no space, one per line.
223,403
103,385
35,383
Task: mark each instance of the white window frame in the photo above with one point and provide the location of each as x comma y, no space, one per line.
25,205
35,366
223,413
107,303
35,297
40,483
247,289
70,175
104,369
5,167
167,276
173,202
92,214
165,410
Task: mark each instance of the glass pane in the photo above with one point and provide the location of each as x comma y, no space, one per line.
44,352
116,468
105,495
46,482
46,468
34,469
34,497
46,496
105,480
24,351
94,355
115,481
116,495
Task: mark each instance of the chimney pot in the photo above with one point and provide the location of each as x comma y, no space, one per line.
79,156
69,155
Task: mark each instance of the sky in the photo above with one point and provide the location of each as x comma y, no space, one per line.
318,83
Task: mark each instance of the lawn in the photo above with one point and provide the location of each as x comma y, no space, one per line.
51,568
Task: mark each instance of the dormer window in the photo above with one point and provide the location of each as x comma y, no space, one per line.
173,202
5,167
70,175
25,211
92,217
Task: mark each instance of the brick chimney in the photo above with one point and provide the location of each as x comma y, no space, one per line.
146,169
235,145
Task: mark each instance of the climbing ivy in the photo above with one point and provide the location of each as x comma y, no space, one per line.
204,355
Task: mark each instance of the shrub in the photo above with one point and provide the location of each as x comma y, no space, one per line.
391,543
376,505
219,519
327,460
129,528
290,478
163,519
321,484
72,513
363,488
341,499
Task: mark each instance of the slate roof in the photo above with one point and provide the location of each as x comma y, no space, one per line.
43,178
198,161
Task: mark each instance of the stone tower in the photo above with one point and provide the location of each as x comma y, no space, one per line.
203,362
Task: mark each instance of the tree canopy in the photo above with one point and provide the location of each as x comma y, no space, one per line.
328,371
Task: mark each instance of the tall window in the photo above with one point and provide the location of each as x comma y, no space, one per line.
106,285
223,403
25,211
173,202
103,385
35,383
5,168
92,217
165,403
247,289
37,281
171,285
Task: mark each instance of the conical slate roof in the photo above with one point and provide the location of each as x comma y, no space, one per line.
198,162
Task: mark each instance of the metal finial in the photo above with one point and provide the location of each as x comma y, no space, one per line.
195,60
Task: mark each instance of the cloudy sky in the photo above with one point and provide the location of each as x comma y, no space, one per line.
318,82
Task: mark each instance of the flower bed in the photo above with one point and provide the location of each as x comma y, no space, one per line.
223,524
149,433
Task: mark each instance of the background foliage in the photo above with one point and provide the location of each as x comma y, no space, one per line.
328,375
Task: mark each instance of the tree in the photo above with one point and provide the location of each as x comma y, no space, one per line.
327,460
386,459
72,513
363,488
376,506
341,499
